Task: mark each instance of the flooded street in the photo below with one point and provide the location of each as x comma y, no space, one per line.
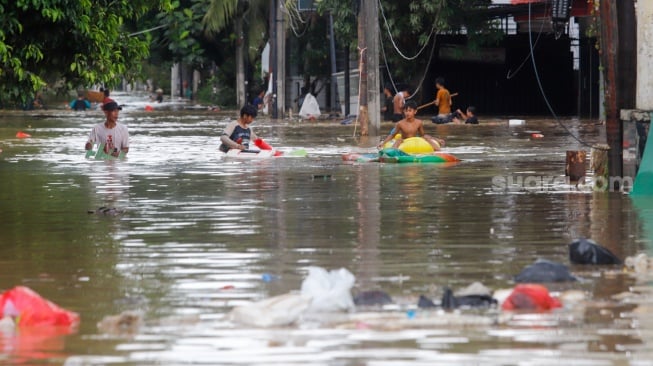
201,234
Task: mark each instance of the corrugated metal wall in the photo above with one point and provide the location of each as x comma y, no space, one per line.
511,88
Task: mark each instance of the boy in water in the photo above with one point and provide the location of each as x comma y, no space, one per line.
398,103
411,127
468,118
111,133
238,134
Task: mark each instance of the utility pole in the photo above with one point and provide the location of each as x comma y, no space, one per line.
370,87
618,46
273,57
334,79
240,62
609,60
347,84
362,71
280,63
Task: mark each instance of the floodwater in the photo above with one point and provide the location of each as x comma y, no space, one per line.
200,235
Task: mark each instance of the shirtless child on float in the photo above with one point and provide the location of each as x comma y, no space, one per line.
410,127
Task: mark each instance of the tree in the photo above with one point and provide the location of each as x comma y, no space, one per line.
183,35
71,42
250,25
311,53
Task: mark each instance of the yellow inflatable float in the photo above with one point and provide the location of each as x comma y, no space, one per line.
412,145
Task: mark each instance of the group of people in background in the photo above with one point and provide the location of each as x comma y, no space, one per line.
393,106
400,109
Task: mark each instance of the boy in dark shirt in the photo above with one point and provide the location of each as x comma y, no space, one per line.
468,118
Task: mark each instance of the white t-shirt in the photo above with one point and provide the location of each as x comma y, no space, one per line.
116,137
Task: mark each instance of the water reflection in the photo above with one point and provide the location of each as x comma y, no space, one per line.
201,235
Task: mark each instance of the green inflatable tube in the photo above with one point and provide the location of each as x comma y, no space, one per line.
392,155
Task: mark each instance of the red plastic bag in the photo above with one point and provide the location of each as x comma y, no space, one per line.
29,309
530,297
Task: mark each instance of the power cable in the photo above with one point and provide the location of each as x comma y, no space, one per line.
428,64
146,30
393,41
387,67
539,83
511,75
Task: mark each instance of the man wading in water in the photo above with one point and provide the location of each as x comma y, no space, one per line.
111,133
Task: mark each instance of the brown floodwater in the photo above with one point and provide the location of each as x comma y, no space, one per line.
201,234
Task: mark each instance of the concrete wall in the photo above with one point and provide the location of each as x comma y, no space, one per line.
645,55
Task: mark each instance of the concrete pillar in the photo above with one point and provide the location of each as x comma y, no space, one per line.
281,60
196,82
644,55
175,83
373,79
240,62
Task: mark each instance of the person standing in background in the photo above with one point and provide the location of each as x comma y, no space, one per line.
81,103
387,108
258,102
398,102
443,102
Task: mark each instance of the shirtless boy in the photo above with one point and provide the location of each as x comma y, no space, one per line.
410,127
398,102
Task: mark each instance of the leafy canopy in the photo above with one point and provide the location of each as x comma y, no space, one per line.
69,42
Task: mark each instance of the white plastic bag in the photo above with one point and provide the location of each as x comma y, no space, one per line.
275,311
330,291
310,107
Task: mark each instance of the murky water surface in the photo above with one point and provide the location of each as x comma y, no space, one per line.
201,234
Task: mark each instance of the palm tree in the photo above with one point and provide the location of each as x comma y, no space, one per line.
242,12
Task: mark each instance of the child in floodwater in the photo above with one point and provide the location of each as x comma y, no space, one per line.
468,117
238,134
410,127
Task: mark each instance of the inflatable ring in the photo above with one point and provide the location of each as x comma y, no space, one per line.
416,145
391,143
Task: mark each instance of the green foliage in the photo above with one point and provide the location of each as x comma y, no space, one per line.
214,92
71,43
310,52
221,14
183,32
225,82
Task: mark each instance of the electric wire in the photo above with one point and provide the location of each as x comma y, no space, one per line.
147,30
387,67
387,26
428,64
510,74
539,83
